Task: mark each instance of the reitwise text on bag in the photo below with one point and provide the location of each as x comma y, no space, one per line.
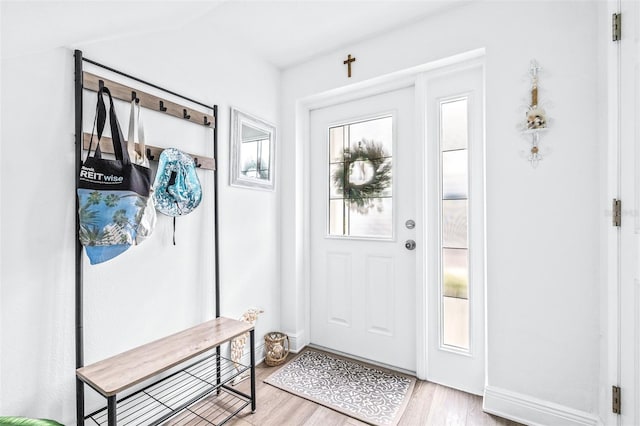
89,174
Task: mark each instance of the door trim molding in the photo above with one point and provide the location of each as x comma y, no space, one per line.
393,81
610,321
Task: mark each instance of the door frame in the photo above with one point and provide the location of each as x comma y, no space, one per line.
411,77
610,321
622,293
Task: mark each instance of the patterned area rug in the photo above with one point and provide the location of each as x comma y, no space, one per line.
367,393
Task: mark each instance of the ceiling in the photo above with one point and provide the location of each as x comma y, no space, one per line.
284,33
35,26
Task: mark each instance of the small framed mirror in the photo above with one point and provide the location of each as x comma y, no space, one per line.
252,158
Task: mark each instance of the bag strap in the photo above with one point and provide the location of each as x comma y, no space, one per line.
136,120
98,120
93,129
119,146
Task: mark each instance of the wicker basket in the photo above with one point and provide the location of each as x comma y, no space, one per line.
276,346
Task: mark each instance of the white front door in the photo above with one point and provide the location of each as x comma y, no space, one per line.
363,191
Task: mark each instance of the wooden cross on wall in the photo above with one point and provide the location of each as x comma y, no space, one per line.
347,62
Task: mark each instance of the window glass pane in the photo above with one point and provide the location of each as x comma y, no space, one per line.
379,130
336,188
456,322
384,166
454,175
455,273
336,144
369,178
370,217
361,174
453,124
454,224
337,219
455,292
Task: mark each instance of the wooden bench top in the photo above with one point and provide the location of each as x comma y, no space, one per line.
115,374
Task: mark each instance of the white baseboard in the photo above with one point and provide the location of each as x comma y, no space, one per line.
297,341
532,411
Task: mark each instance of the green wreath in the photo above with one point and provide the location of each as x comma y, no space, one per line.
363,193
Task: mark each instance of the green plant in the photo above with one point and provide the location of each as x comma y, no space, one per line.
24,421
363,195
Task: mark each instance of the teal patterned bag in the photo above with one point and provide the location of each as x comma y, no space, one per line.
177,187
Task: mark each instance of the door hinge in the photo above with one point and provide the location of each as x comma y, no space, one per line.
615,399
616,211
616,26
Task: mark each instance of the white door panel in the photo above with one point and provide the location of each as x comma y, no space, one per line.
362,286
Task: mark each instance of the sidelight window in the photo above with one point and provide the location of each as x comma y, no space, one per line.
454,230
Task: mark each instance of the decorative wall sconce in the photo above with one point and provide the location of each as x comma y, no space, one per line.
536,118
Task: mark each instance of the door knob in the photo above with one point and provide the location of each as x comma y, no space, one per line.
410,245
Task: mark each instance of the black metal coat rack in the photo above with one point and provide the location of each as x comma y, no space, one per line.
85,80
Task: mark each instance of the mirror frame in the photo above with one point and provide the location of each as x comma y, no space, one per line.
238,118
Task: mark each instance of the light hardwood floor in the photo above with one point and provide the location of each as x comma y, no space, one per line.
430,404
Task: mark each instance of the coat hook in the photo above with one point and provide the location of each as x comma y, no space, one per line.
100,85
149,156
185,115
162,107
134,97
206,121
195,160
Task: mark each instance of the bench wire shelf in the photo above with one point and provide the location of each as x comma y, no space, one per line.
179,392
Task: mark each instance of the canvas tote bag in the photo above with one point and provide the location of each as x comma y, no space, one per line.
148,214
111,192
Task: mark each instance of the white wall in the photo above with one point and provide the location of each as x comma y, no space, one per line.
542,238
151,290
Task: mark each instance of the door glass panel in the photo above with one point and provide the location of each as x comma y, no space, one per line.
454,223
455,273
336,144
337,216
456,324
361,179
454,124
374,222
379,130
454,227
454,175
335,185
